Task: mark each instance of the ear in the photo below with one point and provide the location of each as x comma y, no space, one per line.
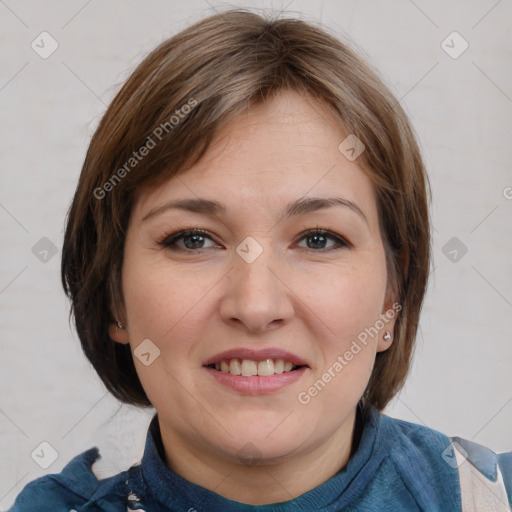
118,334
392,307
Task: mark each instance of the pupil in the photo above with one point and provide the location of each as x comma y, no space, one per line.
317,240
316,237
195,239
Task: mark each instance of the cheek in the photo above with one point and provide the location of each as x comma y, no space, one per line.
170,308
348,309
166,309
156,299
347,300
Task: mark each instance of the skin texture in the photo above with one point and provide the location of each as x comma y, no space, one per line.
310,297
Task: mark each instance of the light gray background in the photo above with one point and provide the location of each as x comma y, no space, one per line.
460,384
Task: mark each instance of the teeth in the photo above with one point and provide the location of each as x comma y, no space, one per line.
278,366
234,367
266,368
288,366
249,368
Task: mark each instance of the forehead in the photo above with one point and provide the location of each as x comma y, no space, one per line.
271,155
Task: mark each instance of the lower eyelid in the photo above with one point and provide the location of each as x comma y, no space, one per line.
169,242
339,243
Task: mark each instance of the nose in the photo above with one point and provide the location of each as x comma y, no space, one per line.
257,296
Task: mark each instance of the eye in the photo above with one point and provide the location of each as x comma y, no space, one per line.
319,238
193,240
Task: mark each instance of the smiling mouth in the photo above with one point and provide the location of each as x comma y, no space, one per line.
250,368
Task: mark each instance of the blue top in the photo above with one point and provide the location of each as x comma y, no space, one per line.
397,466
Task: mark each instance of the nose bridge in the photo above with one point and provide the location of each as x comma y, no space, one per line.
256,295
253,264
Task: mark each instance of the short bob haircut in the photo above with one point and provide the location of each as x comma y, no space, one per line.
164,118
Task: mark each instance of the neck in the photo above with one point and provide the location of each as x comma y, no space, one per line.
265,482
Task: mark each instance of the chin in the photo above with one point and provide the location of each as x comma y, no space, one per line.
273,443
262,452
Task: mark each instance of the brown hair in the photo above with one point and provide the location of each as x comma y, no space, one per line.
173,105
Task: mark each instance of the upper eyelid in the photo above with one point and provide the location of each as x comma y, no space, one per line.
183,233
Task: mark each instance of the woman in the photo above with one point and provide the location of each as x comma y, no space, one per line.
247,251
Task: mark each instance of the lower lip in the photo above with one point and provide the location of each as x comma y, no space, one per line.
257,385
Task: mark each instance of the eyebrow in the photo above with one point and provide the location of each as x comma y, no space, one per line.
298,207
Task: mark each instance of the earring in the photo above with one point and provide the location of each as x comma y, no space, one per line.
120,325
387,336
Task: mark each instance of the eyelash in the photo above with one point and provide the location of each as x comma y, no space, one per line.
169,241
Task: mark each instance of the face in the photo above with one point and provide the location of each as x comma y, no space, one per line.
255,285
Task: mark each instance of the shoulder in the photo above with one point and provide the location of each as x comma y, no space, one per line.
75,486
417,446
485,476
425,455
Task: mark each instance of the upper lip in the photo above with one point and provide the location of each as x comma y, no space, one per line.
256,355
